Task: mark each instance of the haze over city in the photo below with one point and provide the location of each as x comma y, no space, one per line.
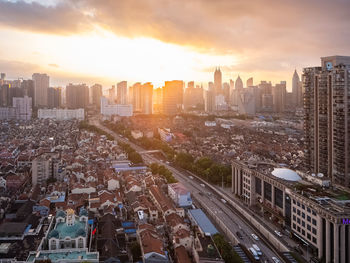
108,41
163,131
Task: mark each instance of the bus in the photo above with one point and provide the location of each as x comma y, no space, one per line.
254,253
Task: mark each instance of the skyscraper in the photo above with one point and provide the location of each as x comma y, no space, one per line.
122,92
297,90
250,82
172,97
239,83
29,90
217,82
210,98
146,98
135,97
279,97
96,93
77,96
54,98
41,86
327,118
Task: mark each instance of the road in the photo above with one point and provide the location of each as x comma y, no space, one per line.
226,213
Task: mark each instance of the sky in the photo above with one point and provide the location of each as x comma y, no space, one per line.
106,41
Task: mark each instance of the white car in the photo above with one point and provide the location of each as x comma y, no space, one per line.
203,185
278,233
191,177
255,237
257,249
276,260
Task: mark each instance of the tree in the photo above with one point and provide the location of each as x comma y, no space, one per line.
135,157
135,251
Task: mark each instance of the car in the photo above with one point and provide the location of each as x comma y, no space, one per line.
257,249
255,237
191,177
276,260
239,235
278,233
203,185
254,253
223,200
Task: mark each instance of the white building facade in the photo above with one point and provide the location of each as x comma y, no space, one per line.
61,114
124,110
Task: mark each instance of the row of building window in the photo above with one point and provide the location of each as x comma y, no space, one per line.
308,235
309,210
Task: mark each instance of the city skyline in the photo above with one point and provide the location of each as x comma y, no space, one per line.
91,42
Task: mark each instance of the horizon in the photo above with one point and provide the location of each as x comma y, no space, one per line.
153,41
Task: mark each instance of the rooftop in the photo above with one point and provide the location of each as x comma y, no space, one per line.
203,221
64,255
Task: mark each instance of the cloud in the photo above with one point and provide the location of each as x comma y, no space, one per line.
54,65
13,67
262,34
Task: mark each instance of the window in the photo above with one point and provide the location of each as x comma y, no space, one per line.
309,209
303,206
314,231
308,218
314,240
308,236
303,215
298,212
298,228
313,212
294,226
314,222
294,217
294,202
303,223
298,220
308,227
294,210
298,204
303,232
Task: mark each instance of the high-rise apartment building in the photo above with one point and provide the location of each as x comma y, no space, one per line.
96,93
210,98
54,97
23,106
135,96
327,118
122,92
77,96
29,90
172,97
297,90
146,98
41,86
111,94
193,96
217,82
279,97
250,82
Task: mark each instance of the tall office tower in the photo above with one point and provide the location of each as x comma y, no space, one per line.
250,82
246,102
210,98
297,90
226,92
122,92
54,97
23,106
172,97
327,118
15,92
193,97
266,100
41,86
111,95
5,95
146,98
77,96
28,87
232,89
239,83
217,81
157,100
279,97
135,97
96,93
